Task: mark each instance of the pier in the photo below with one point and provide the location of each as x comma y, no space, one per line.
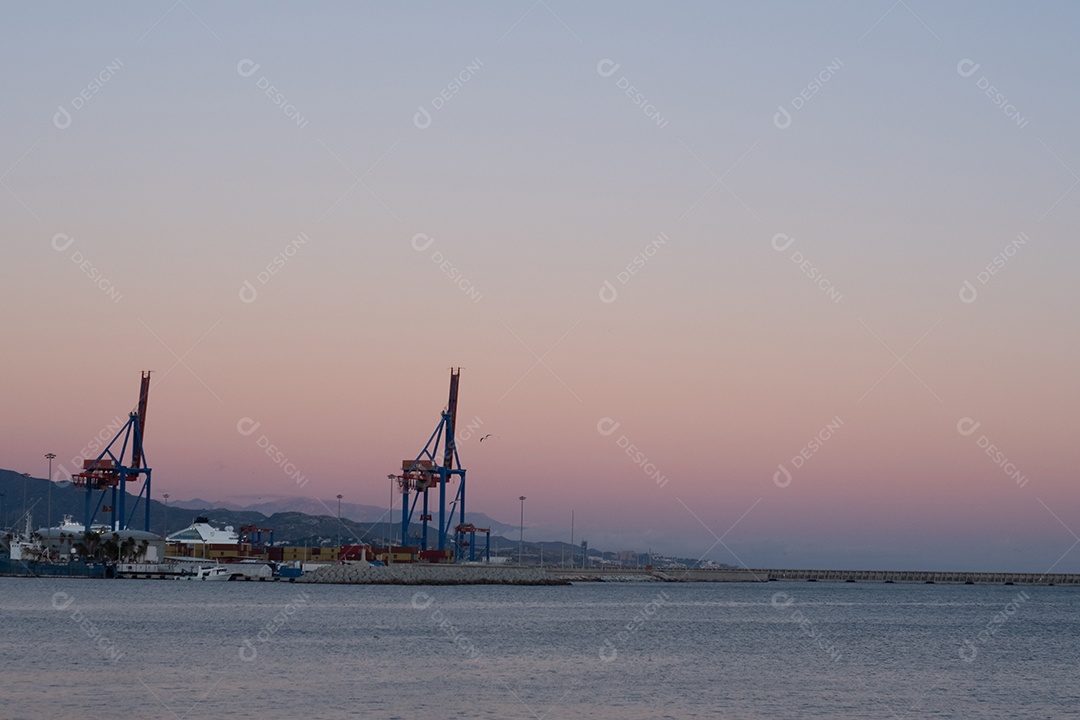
852,576
922,576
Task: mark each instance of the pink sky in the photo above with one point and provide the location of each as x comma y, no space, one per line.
134,235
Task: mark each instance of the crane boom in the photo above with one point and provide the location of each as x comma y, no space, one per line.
451,409
144,394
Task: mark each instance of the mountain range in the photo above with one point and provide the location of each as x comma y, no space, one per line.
271,504
295,521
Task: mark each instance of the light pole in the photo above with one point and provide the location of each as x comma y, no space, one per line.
26,478
48,518
3,515
521,533
339,522
166,533
390,540
571,538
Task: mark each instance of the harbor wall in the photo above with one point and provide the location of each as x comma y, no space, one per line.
854,576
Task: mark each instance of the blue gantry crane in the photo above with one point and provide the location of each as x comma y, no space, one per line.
109,475
424,472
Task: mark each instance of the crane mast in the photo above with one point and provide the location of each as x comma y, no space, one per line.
109,474
424,472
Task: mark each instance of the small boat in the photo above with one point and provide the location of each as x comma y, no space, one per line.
216,573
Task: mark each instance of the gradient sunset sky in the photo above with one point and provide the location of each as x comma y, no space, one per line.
709,231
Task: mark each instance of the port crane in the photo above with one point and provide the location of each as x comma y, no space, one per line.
109,475
253,535
424,472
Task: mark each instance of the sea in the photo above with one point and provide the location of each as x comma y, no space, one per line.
260,651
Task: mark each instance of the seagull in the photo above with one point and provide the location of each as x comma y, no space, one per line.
485,437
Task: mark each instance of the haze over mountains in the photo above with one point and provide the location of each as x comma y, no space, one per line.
292,518
301,521
270,504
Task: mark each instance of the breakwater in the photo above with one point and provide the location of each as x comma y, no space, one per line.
440,574
417,574
920,576
854,576
667,575
26,568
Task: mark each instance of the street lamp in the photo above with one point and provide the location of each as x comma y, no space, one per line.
166,533
390,540
26,478
48,518
521,533
339,522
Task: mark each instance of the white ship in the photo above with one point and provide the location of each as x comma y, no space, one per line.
213,573
201,532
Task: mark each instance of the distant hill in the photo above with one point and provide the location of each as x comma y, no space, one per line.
199,503
271,504
20,495
293,519
287,516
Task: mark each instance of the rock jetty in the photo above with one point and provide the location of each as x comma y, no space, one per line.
417,574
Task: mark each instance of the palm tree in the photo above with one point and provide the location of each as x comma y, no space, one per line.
90,546
109,550
128,550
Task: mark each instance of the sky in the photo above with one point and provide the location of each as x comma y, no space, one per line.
772,284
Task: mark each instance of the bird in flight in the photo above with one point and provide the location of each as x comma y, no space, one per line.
485,437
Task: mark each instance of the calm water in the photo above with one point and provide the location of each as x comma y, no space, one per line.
158,649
